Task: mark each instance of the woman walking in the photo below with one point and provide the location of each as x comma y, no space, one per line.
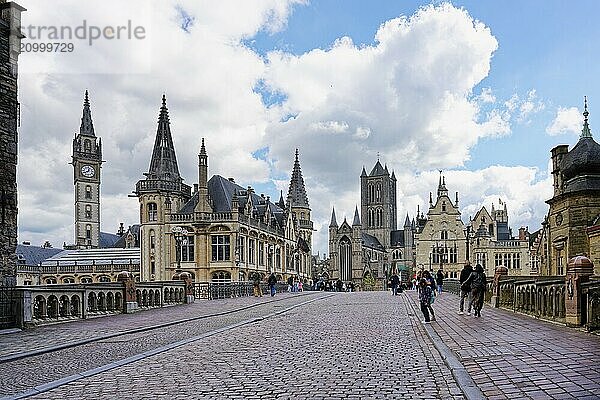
425,296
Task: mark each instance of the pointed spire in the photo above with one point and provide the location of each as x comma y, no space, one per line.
297,192
585,132
202,148
87,126
333,223
407,221
442,191
393,175
356,220
163,165
364,172
281,202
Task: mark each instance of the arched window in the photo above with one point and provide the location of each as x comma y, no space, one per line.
378,193
50,281
68,279
85,279
221,277
88,211
104,278
443,206
345,259
88,192
152,212
152,238
444,235
88,231
87,146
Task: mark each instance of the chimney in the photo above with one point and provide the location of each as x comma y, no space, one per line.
522,234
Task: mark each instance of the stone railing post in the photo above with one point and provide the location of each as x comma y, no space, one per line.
129,297
579,270
25,314
186,277
498,274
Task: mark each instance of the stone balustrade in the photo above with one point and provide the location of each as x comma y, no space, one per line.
573,299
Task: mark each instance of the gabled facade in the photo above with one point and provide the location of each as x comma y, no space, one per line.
221,231
441,239
492,244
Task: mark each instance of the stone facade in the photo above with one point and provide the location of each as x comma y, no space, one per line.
492,244
10,40
87,161
575,204
220,231
441,237
371,249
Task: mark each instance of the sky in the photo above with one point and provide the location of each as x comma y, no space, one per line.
481,90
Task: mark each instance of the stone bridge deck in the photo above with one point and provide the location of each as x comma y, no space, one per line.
365,345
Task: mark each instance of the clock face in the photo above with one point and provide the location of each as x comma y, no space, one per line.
87,171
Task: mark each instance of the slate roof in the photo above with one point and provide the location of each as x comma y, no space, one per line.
163,164
135,231
371,241
108,240
377,170
221,192
297,192
95,256
34,255
397,238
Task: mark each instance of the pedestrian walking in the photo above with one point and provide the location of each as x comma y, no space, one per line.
300,286
465,288
430,283
272,281
290,282
395,281
439,280
478,283
425,298
256,285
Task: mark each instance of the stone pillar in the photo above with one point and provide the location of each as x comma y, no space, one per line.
189,287
130,302
26,313
579,270
498,274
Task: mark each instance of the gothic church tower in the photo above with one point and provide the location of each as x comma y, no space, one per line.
378,203
87,161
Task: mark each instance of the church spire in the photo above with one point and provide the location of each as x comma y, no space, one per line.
87,127
297,192
333,223
356,221
163,165
585,132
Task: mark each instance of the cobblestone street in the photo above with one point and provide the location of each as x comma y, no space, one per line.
364,345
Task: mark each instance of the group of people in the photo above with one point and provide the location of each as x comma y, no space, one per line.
271,281
473,286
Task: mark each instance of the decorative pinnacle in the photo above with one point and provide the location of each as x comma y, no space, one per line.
296,155
585,132
86,100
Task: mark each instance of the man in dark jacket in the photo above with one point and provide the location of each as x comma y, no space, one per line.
478,284
272,281
465,288
395,281
439,280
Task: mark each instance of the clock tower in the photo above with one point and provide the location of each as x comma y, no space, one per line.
87,160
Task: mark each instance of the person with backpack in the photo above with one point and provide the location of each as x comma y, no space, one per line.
478,283
465,288
395,281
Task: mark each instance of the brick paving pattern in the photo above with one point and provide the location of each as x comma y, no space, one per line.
348,346
514,356
366,345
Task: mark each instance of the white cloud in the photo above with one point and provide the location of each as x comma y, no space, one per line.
409,97
567,120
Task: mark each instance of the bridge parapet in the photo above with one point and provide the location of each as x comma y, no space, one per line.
573,299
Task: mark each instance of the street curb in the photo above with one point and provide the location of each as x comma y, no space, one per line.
107,367
19,356
466,384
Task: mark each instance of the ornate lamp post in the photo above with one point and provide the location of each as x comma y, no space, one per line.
180,234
